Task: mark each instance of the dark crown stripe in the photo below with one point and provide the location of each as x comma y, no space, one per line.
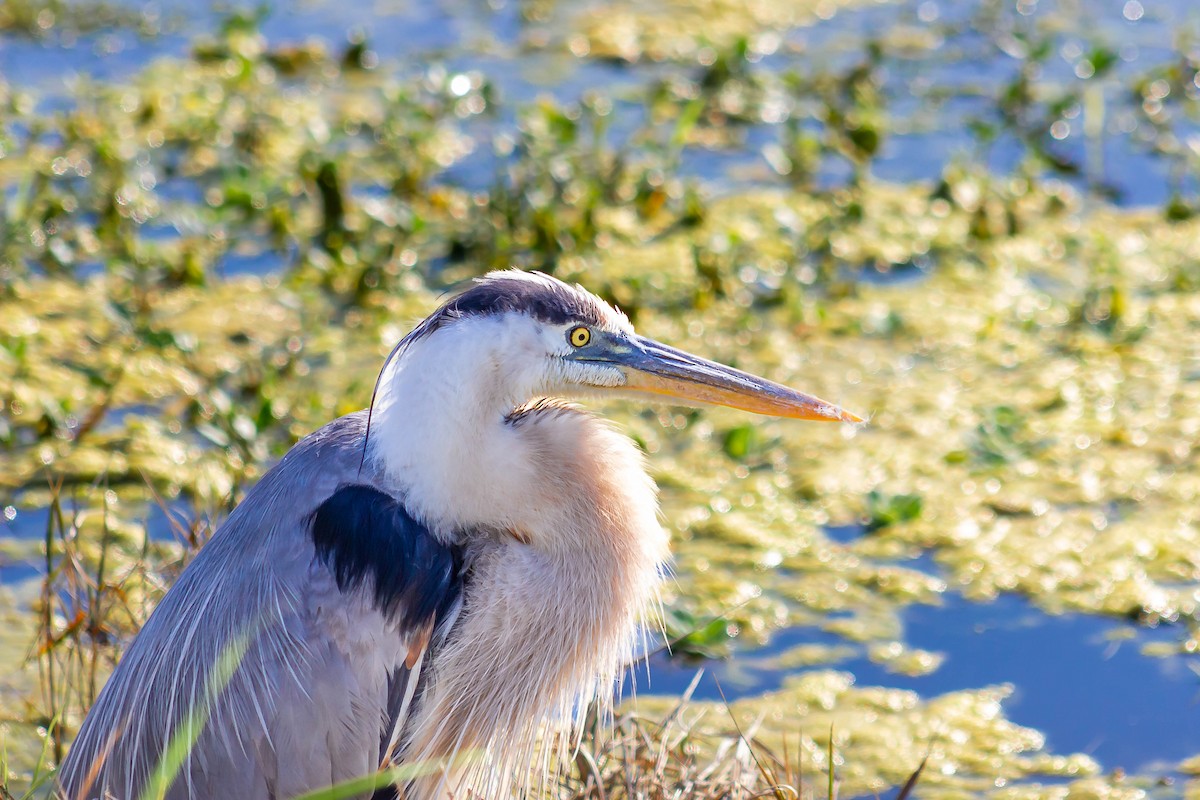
545,299
372,544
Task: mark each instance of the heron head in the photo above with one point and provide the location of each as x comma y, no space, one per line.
534,336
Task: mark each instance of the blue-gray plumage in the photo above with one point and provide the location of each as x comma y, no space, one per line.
445,581
264,573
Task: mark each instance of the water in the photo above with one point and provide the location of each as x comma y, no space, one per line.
1079,679
1088,692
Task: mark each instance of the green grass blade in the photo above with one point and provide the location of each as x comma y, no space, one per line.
377,780
190,727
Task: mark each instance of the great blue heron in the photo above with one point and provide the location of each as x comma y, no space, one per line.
456,570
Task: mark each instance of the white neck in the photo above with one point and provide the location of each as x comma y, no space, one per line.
438,427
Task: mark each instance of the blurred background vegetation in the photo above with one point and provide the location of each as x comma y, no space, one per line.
975,222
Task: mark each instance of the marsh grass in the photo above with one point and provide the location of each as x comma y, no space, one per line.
661,757
94,594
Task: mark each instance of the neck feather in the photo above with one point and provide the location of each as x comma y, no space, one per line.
438,432
554,621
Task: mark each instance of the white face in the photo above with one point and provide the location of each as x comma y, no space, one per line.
534,359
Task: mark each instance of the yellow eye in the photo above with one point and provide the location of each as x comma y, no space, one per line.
579,336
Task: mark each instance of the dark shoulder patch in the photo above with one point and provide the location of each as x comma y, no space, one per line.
371,543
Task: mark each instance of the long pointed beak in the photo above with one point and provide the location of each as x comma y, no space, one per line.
655,368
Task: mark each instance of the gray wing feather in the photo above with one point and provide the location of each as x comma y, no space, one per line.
313,695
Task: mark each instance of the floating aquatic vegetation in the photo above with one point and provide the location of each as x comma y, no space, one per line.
67,20
687,30
879,736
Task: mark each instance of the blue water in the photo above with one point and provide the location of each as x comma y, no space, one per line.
1087,693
